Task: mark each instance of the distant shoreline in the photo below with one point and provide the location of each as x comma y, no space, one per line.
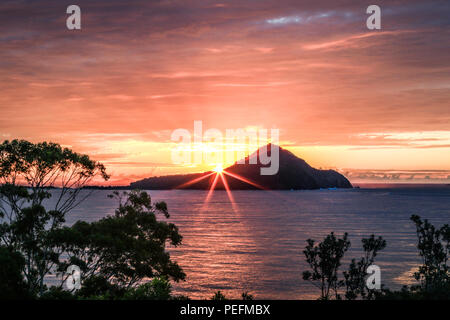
371,185
368,185
365,185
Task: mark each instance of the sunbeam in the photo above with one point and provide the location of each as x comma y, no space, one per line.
220,172
244,180
213,186
194,181
227,189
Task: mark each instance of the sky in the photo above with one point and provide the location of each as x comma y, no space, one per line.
373,104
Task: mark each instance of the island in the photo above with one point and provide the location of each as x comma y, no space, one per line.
293,174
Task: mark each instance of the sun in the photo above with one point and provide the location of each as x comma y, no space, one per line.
218,173
218,168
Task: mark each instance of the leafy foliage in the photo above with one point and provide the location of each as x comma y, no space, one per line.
27,171
219,296
325,260
355,276
12,284
115,253
97,287
157,289
126,247
247,296
434,273
434,248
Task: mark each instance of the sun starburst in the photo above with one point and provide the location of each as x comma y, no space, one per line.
219,173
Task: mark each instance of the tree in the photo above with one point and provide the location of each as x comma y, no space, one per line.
434,273
434,247
12,284
219,296
27,172
157,289
355,276
325,260
126,247
97,287
246,296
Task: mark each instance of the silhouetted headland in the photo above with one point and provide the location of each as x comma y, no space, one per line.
294,173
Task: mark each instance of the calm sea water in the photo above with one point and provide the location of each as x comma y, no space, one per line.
257,246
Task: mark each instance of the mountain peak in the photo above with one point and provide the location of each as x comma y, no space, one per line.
293,173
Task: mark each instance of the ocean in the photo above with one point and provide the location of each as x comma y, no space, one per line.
257,244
